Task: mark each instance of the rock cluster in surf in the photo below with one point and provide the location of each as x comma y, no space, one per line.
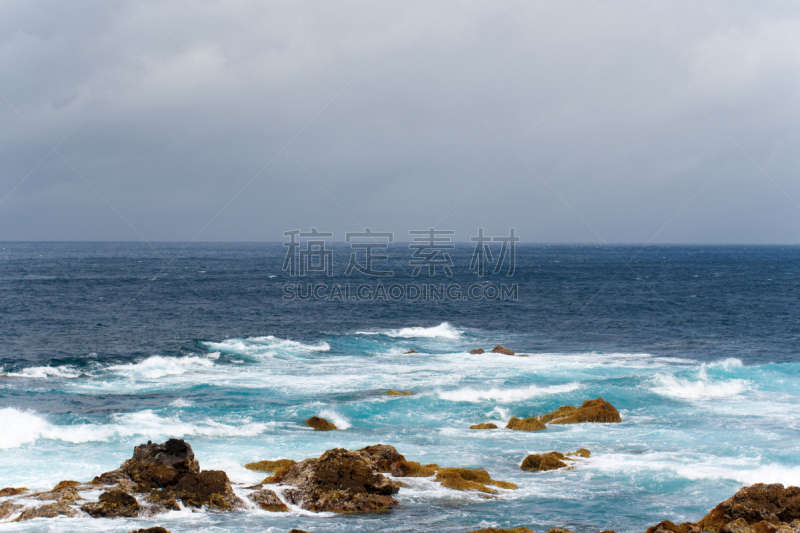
551,461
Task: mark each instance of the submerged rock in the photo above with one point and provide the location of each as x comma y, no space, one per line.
392,392
502,350
581,452
541,462
320,424
525,424
268,500
484,426
270,466
114,503
50,510
477,351
410,351
342,481
597,410
468,479
7,509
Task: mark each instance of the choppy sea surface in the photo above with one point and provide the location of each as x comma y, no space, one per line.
105,346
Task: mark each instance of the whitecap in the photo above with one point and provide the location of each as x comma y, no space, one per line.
43,372
701,389
443,330
157,366
505,395
338,420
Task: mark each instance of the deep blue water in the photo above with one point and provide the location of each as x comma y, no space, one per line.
103,346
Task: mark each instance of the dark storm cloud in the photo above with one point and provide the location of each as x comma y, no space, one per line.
623,116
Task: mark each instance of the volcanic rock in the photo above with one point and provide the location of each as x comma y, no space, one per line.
210,487
320,424
113,504
755,503
502,350
525,424
268,500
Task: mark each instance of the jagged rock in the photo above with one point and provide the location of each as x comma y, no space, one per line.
268,500
7,509
495,530
392,392
413,469
502,350
161,501
341,481
739,525
68,494
11,491
270,466
210,487
477,351
540,462
754,504
389,461
154,466
411,351
113,504
467,479
50,510
157,529
597,410
484,426
66,485
525,424
320,424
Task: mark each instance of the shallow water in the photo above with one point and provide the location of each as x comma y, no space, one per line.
96,358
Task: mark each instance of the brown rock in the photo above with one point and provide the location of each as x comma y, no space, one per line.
66,485
756,503
739,525
320,424
50,510
157,529
502,350
484,426
268,500
210,487
559,530
270,466
581,452
525,424
154,466
477,351
392,392
597,410
69,495
113,504
11,491
541,462
7,509
297,531
162,500
411,351
385,457
668,527
341,481
467,479
412,469
562,411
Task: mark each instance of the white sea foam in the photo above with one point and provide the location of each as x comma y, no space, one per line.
23,427
158,367
505,395
46,372
180,402
701,389
267,346
338,420
443,330
726,364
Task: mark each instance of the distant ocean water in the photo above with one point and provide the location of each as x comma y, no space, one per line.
105,346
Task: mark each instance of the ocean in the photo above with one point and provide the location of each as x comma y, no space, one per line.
104,346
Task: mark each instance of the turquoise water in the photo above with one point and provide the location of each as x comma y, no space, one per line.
701,417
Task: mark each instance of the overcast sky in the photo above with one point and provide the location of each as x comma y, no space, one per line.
236,120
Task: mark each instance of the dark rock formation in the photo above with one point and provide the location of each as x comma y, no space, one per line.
68,494
668,527
157,529
268,500
541,462
484,426
114,503
210,487
392,392
297,531
51,510
320,424
342,481
525,424
502,350
477,351
467,479
270,466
